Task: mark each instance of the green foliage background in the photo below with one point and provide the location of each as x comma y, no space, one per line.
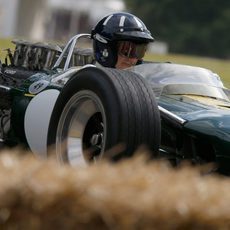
198,27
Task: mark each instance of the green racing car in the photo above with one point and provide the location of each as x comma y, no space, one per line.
57,101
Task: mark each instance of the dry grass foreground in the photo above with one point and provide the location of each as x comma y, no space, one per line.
132,194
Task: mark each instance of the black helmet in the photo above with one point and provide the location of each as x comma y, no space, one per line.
117,27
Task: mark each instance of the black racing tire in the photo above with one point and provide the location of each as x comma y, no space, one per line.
123,110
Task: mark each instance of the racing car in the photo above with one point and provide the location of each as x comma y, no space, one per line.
56,101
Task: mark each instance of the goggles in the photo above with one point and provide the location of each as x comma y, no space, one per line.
131,49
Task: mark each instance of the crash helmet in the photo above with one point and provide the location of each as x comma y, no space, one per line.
114,28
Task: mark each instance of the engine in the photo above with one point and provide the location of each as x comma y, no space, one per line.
41,56
26,60
34,56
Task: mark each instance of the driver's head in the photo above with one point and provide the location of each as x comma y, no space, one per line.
120,40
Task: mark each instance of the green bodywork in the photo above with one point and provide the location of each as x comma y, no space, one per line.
197,127
21,98
207,129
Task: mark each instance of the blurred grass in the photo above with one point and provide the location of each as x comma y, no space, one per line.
221,67
132,194
4,44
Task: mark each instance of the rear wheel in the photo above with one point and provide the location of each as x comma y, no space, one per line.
99,109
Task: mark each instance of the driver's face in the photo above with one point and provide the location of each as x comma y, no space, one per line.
129,53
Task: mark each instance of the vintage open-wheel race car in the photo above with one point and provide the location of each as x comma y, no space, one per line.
58,101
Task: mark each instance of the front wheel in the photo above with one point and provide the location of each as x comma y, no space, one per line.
102,108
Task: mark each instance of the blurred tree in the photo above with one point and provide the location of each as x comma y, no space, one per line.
193,27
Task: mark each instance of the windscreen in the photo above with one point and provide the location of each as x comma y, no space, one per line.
167,78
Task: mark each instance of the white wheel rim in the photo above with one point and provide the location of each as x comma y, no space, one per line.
81,129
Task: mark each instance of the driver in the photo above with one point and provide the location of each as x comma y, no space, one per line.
120,40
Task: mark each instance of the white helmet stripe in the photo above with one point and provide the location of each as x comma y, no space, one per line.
107,19
139,24
122,21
